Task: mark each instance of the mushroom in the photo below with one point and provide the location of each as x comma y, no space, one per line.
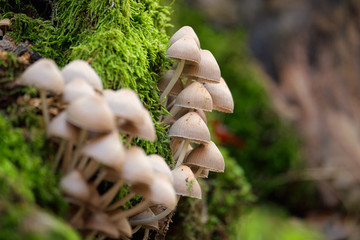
221,95
189,128
165,80
183,50
100,222
148,226
185,30
195,96
45,76
90,113
206,156
206,71
77,88
4,25
82,69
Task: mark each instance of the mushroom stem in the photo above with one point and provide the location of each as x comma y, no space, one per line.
174,110
182,153
173,80
121,201
154,218
44,107
137,228
59,153
177,153
67,156
132,211
110,194
100,177
198,172
90,169
146,234
128,141
171,104
82,137
82,163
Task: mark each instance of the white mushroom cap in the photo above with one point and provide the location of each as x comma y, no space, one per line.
75,89
160,166
43,74
59,127
162,192
207,71
185,183
91,113
81,69
185,30
74,185
101,222
191,127
184,49
107,149
221,95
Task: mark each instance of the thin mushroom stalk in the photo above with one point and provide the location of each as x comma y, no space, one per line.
44,107
110,194
121,202
173,80
182,153
59,153
82,137
132,211
174,110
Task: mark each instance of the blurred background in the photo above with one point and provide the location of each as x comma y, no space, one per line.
292,145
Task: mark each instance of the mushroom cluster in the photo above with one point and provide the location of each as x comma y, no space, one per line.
194,88
91,155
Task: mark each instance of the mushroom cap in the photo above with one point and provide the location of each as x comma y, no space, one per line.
144,215
195,96
165,80
137,168
162,191
160,166
59,127
107,149
124,227
74,185
75,89
82,69
91,113
206,156
146,130
207,70
184,49
221,96
125,104
190,127
5,22
101,222
185,183
185,30
43,74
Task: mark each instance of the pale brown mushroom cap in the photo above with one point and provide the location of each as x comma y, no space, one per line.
207,70
91,113
146,130
184,49
137,169
191,127
74,185
124,227
101,222
145,215
43,74
221,95
107,149
81,69
206,156
195,96
60,128
5,22
185,183
125,104
160,166
162,192
185,30
164,81
75,89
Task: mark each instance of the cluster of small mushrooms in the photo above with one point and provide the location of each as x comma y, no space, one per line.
91,151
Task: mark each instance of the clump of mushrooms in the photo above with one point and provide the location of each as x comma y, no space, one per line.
91,150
